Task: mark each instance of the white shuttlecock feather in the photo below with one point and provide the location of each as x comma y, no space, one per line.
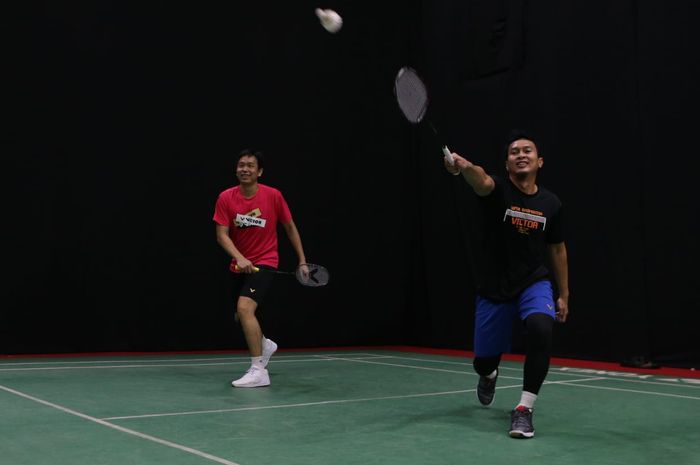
330,20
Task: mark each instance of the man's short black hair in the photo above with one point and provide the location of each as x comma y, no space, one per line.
517,134
252,153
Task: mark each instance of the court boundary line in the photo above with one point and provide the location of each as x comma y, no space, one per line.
239,361
572,382
304,404
572,362
330,402
183,360
363,357
121,429
602,375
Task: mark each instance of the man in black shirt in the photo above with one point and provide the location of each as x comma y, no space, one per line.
523,233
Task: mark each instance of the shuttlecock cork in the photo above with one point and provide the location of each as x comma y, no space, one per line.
330,20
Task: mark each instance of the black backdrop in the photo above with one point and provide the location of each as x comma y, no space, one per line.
123,120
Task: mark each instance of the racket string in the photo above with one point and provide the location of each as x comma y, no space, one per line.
312,275
411,95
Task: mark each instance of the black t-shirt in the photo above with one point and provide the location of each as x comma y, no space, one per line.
517,229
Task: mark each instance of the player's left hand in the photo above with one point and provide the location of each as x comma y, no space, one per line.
304,270
562,310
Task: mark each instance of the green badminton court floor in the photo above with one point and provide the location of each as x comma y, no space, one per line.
344,407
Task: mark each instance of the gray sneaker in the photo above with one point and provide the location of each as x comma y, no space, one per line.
521,423
486,390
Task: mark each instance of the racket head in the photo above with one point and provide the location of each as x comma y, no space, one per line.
312,275
411,94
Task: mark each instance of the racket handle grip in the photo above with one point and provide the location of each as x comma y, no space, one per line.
255,268
448,155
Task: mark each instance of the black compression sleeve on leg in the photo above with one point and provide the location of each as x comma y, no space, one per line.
539,346
484,366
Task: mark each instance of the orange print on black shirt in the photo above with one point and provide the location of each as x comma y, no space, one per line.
525,219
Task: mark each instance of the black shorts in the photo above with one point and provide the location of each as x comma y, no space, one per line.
252,285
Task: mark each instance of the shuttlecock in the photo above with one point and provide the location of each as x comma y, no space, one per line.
330,20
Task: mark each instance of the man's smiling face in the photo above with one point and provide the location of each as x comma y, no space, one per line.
523,159
247,170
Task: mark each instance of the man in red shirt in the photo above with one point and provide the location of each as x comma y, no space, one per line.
246,218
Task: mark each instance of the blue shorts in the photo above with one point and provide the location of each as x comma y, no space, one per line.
493,328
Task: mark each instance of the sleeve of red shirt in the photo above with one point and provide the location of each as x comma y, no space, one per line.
221,211
283,213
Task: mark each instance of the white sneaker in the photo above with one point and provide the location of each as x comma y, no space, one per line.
269,347
254,377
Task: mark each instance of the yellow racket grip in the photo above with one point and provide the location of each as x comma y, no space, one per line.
255,268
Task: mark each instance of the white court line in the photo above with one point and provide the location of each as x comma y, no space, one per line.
599,378
324,402
325,357
661,380
304,404
344,356
86,362
111,367
605,388
442,370
643,381
173,360
369,399
361,357
132,361
240,361
147,437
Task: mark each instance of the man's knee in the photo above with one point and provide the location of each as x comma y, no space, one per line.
484,366
246,308
539,330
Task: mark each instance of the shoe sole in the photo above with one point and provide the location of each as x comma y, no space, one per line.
521,435
249,385
264,383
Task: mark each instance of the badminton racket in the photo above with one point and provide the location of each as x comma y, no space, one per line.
308,274
412,96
